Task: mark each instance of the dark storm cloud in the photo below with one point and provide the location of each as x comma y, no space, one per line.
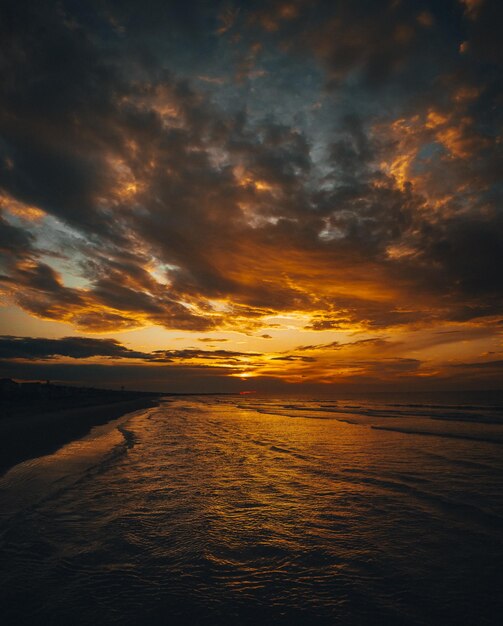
470,252
496,365
13,241
227,356
378,342
211,339
34,348
180,196
57,94
377,39
387,366
75,347
294,357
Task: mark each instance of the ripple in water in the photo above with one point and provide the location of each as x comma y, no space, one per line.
213,511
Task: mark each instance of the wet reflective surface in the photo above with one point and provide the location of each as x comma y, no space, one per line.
225,510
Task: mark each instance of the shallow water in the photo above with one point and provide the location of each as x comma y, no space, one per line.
229,510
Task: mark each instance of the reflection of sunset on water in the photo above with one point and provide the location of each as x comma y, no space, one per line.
274,229
261,508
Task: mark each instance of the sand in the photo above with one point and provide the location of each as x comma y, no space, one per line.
29,436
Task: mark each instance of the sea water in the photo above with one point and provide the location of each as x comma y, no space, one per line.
260,510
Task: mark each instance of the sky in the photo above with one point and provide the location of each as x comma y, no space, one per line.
272,195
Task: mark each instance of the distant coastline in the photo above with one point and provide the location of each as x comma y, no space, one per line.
39,418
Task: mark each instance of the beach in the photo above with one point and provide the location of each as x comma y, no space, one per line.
32,429
245,510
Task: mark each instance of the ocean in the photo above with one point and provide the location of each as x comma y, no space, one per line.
263,510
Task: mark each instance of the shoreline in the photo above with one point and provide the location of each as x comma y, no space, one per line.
30,436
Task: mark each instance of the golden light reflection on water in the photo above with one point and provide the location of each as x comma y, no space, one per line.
34,479
259,509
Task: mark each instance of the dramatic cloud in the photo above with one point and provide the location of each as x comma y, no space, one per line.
270,169
75,347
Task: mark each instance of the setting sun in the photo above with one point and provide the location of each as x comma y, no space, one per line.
251,312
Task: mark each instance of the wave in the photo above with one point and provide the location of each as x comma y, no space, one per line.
446,435
130,437
473,414
35,481
226,510
466,407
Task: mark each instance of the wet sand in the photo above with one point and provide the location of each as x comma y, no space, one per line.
27,436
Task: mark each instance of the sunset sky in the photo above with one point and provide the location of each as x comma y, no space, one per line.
224,196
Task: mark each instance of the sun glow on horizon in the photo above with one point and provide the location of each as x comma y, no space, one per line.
305,202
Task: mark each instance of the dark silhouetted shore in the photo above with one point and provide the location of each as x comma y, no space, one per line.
38,418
